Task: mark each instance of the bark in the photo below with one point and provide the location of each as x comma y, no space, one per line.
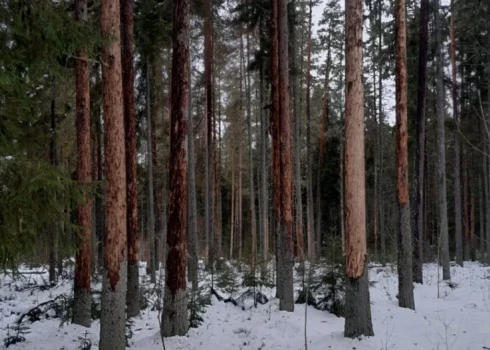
296,139
380,189
232,218
174,317
250,161
472,223
309,180
192,263
441,178
286,303
466,210
405,279
113,315
486,163
358,309
457,171
482,222
418,212
127,42
52,234
263,156
208,86
151,196
82,296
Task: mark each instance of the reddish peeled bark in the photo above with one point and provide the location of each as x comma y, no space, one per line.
115,163
84,176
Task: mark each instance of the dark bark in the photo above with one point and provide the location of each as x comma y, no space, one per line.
82,296
174,317
418,213
358,309
52,234
127,42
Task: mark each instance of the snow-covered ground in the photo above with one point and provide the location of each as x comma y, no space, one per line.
458,319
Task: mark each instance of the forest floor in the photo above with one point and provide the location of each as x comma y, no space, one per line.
459,318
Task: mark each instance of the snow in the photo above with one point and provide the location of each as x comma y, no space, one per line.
457,319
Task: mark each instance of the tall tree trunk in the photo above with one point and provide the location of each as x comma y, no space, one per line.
192,265
127,38
208,86
418,213
82,296
53,231
357,304
472,222
250,159
296,136
405,280
309,179
443,226
263,155
481,198
380,189
466,210
324,122
151,196
113,313
457,171
486,162
285,233
174,316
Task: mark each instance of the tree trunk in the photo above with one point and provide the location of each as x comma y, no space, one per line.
296,136
380,189
174,317
457,171
481,198
53,230
113,315
208,86
151,196
466,211
250,160
82,296
357,307
192,265
309,180
405,280
443,226
418,213
127,38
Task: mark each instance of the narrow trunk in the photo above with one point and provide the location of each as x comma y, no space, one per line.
481,197
82,296
113,315
418,212
192,264
151,196
232,216
466,212
405,279
441,179
472,222
457,182
52,234
174,316
358,309
309,180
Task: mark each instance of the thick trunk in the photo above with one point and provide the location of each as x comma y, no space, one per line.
296,136
418,213
82,296
127,38
405,280
285,220
441,179
113,315
457,182
358,309
174,316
